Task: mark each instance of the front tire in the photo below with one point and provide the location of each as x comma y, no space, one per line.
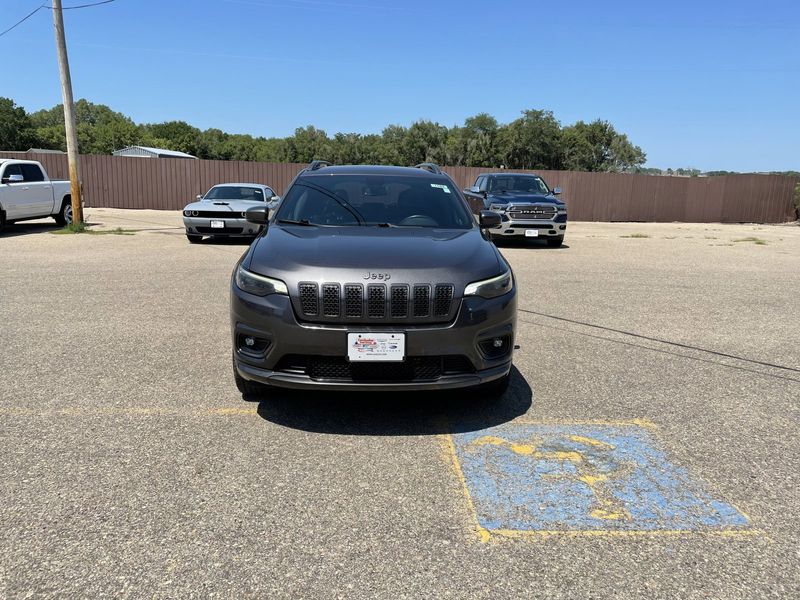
2,220
194,239
64,216
247,387
555,242
494,389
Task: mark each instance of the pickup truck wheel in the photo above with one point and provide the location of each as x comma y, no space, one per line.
247,387
64,216
194,239
555,242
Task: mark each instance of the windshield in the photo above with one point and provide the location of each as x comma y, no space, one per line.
346,200
518,183
234,192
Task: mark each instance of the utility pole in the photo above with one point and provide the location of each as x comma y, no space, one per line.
69,113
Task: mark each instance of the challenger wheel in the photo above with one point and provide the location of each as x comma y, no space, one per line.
64,216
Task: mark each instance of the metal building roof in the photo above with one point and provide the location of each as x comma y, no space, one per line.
148,152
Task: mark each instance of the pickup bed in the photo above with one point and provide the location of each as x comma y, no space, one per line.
26,192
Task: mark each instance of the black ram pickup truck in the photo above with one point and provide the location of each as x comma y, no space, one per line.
528,207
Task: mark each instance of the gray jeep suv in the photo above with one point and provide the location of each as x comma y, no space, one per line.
372,278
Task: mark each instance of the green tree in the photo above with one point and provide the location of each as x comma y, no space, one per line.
597,146
531,142
179,135
16,128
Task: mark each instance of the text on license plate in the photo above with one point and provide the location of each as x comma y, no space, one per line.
218,224
531,233
376,347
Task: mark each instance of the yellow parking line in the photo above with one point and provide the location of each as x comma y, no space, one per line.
449,454
633,533
647,424
133,411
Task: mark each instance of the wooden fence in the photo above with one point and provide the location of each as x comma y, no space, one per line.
169,184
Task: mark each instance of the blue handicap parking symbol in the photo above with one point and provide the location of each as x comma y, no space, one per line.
597,477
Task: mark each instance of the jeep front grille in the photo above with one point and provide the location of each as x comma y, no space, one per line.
309,299
354,302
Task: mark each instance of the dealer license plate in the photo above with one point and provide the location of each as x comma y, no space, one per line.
531,233
218,224
373,347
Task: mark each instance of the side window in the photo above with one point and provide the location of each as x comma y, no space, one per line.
483,185
32,173
11,170
479,182
270,194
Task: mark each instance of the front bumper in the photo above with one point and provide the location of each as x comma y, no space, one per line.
272,318
516,228
233,227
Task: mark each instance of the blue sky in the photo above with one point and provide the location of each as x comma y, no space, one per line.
708,84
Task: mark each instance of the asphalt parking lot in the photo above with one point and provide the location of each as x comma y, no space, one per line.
646,448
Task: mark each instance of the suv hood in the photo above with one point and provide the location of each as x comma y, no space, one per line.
365,255
522,197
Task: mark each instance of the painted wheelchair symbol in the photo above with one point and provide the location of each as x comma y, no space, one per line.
592,462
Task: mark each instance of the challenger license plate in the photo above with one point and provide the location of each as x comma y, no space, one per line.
531,233
218,224
373,347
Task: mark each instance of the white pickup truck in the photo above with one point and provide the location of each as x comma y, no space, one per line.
26,192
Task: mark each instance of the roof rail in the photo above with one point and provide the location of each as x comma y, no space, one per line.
429,166
317,164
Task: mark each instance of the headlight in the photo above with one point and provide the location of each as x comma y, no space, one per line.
186,213
497,207
491,288
258,284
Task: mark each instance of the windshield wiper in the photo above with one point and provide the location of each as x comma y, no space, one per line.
304,222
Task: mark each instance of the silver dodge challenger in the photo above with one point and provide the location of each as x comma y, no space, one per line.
220,213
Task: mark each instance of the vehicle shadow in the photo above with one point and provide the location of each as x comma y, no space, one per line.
29,228
534,244
230,241
394,413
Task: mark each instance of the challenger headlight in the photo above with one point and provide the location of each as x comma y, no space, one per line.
186,213
491,288
498,207
258,284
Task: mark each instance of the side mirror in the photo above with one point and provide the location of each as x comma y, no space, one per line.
199,196
14,178
556,191
474,189
275,198
257,214
489,219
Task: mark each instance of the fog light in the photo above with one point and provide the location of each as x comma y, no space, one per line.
496,347
252,345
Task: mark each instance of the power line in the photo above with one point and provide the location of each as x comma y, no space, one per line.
38,8
21,21
87,5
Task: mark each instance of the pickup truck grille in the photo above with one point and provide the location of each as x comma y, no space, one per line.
375,302
532,211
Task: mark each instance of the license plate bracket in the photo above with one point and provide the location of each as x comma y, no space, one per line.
376,347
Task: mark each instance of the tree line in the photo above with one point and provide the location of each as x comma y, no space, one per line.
535,140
